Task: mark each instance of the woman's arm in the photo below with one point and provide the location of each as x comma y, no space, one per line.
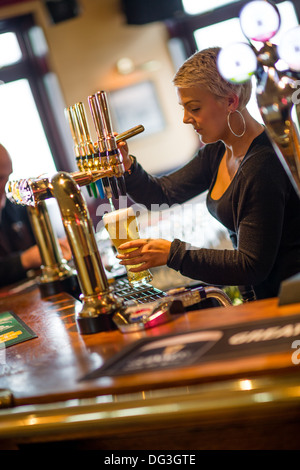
260,205
177,187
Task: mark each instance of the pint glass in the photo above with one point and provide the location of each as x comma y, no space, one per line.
122,227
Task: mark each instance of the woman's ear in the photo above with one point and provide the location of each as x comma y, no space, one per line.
233,102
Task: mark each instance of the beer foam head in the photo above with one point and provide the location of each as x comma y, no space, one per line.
118,215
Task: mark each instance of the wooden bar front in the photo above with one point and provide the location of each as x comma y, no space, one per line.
247,402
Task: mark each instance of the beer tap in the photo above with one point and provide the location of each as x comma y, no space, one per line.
114,155
102,144
130,133
71,120
56,275
91,154
78,144
99,303
85,150
102,161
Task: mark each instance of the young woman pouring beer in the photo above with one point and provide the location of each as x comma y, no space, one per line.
248,189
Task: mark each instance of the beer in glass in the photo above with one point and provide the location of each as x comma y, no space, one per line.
122,227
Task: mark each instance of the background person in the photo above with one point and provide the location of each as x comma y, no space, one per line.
18,250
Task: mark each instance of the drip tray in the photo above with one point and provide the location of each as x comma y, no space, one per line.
133,295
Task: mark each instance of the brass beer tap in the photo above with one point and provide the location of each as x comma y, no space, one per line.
99,303
56,274
102,161
114,156
90,153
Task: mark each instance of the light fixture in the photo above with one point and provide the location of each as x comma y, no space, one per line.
125,66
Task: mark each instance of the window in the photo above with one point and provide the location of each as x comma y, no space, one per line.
195,7
22,133
219,34
229,31
10,51
225,32
216,23
28,127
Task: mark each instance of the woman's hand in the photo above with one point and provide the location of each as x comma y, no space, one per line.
123,147
147,252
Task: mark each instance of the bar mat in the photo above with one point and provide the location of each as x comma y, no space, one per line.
196,347
13,330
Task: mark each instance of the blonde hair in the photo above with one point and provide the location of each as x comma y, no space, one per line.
201,69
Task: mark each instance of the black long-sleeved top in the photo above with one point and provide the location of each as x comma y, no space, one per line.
15,237
260,209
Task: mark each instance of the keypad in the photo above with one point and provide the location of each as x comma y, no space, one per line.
139,294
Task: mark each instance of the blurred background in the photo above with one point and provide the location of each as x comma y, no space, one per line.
56,53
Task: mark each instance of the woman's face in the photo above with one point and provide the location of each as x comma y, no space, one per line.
205,112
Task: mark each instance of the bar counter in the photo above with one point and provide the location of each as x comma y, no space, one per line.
246,402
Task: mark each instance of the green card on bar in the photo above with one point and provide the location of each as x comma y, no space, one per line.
13,330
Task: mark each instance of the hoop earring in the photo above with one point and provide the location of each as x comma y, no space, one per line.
243,120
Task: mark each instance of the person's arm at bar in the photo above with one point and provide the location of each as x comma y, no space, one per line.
177,187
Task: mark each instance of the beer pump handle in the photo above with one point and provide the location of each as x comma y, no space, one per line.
84,127
106,120
79,138
130,133
82,149
71,121
102,150
114,154
96,188
124,136
98,124
102,142
79,152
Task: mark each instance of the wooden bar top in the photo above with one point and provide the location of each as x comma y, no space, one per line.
245,402
48,368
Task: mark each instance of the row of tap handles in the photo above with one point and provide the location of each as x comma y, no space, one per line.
103,153
100,164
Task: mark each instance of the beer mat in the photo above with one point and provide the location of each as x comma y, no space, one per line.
201,346
13,330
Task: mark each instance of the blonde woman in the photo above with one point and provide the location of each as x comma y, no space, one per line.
248,189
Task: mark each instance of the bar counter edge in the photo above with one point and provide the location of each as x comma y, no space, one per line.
198,406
